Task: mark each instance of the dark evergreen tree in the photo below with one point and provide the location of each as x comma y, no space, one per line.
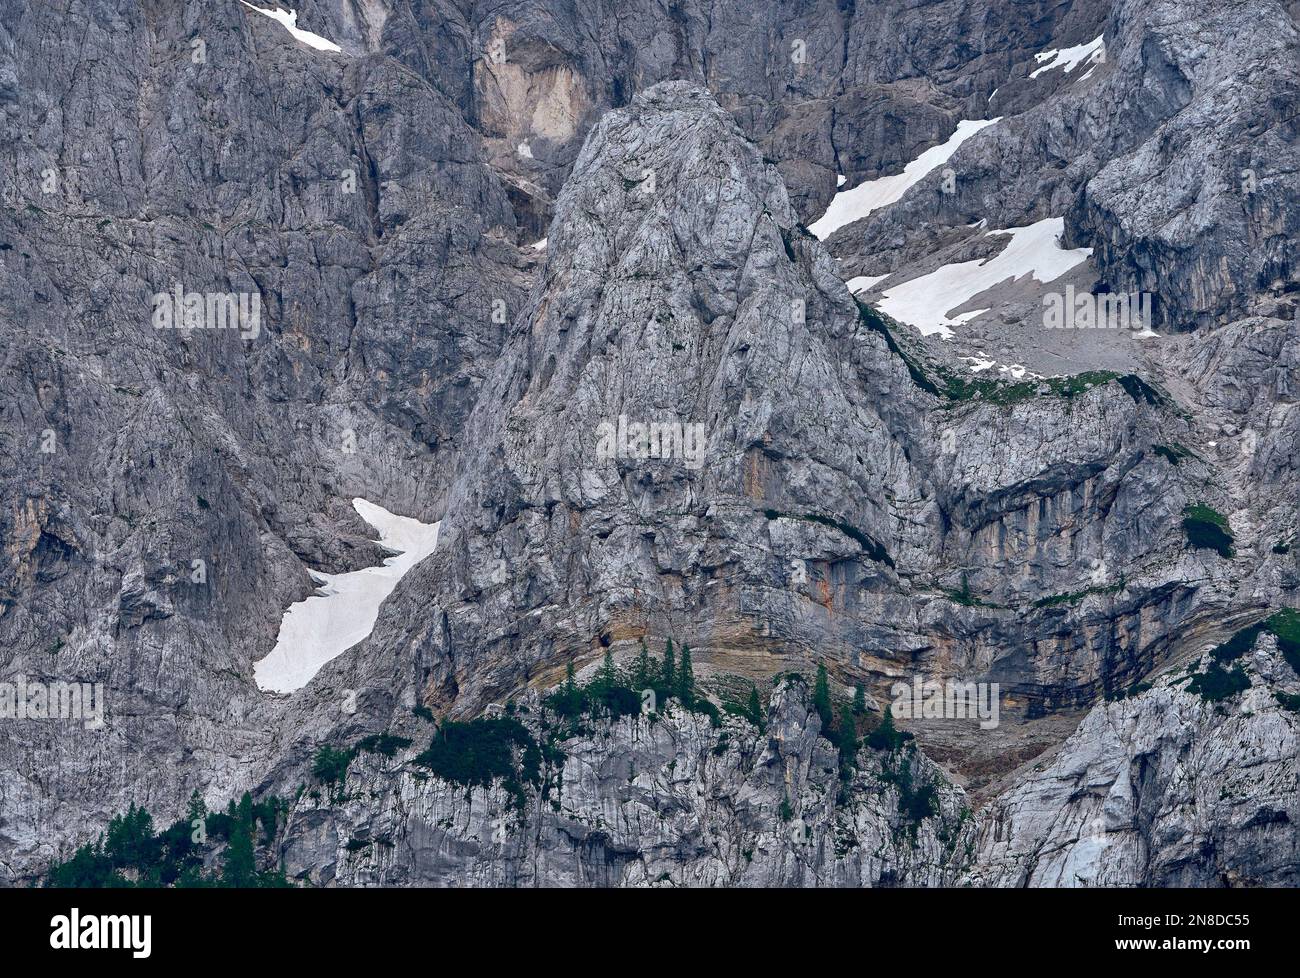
887,736
668,678
88,868
686,678
846,739
859,700
754,708
822,698
607,678
330,767
239,866
847,733
131,839
198,809
569,701
642,677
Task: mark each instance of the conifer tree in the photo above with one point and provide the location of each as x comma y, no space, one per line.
642,676
885,736
669,675
572,696
198,810
848,732
859,700
822,697
686,678
607,678
130,838
239,867
754,708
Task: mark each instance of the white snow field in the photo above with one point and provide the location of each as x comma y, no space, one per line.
856,203
327,624
1033,250
864,283
289,18
1070,58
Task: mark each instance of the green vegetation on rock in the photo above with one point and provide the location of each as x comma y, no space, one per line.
1174,454
916,802
942,382
1207,529
1217,683
485,750
886,736
1288,701
132,854
1076,596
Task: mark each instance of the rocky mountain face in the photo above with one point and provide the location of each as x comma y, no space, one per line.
668,801
670,418
1163,788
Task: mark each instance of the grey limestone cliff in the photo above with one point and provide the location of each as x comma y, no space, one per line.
838,489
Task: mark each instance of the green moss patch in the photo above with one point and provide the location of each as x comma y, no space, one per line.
1288,702
1285,626
1207,529
1076,596
1173,454
1217,684
946,384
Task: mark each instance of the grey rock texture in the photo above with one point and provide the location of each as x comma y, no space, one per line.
677,288
139,159
1173,146
1159,789
823,87
860,500
839,504
667,800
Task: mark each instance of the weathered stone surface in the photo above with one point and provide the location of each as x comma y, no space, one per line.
663,800
1159,789
853,505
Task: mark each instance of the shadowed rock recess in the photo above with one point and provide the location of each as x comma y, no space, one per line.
713,528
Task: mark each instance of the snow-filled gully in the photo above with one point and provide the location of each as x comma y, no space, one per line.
343,612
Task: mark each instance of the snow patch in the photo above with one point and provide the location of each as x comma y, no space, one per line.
857,202
343,612
1071,58
289,18
1017,371
864,283
978,364
539,245
1033,250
